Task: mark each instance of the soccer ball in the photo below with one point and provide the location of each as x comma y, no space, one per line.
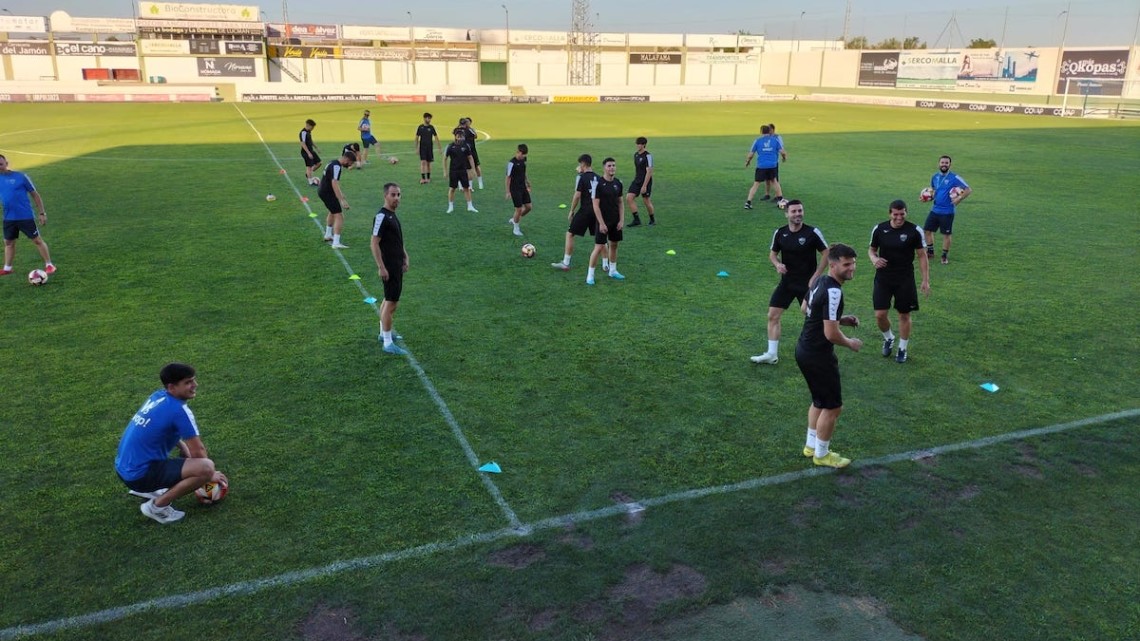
528,251
926,195
955,192
782,203
37,277
212,492
393,160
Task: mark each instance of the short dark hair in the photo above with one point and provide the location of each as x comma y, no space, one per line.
946,157
839,250
312,122
458,131
765,129
350,155
898,204
523,148
173,373
794,201
586,158
772,126
608,159
355,146
641,140
427,115
388,186
3,157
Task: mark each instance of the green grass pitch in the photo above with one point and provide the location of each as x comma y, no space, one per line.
587,397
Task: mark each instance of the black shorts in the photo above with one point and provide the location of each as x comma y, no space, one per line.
159,475
786,292
939,222
311,161
394,286
821,371
332,204
582,222
770,173
12,228
901,288
475,154
520,197
427,154
458,180
612,235
635,188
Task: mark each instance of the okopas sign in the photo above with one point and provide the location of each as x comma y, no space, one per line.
1092,67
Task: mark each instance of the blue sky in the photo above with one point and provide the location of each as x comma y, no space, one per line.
1029,23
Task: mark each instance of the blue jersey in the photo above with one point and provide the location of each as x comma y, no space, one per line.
767,149
152,433
942,184
14,189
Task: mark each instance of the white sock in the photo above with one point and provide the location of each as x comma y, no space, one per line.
566,259
821,447
480,182
328,231
605,264
450,205
7,268
387,336
613,267
773,347
515,224
810,438
888,335
903,342
590,273
336,239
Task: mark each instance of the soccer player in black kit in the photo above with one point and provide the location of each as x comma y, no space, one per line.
581,216
894,245
457,161
518,187
330,194
472,136
309,152
793,253
609,209
425,133
391,263
642,184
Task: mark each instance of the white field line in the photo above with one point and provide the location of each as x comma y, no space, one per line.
362,563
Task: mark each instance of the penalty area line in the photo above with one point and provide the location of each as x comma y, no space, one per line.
362,563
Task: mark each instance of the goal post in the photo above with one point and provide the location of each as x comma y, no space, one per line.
1101,97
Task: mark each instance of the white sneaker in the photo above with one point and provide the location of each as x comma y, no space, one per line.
338,246
450,208
766,357
163,515
518,232
471,208
148,495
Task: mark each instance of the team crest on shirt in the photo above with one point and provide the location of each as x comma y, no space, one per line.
902,237
802,241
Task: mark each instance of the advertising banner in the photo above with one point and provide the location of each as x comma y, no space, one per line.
278,30
305,97
199,27
95,49
61,22
186,11
575,99
369,53
532,38
624,98
458,55
24,49
201,47
248,48
303,51
928,69
654,58
227,67
979,107
878,68
355,32
1110,64
445,35
23,24
701,58
164,47
994,70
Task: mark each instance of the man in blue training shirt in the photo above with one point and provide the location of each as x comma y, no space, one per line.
769,151
949,190
15,188
366,138
161,424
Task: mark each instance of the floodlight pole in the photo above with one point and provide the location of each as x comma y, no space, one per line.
1061,50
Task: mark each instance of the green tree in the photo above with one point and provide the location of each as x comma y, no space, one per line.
982,43
889,43
858,42
912,43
